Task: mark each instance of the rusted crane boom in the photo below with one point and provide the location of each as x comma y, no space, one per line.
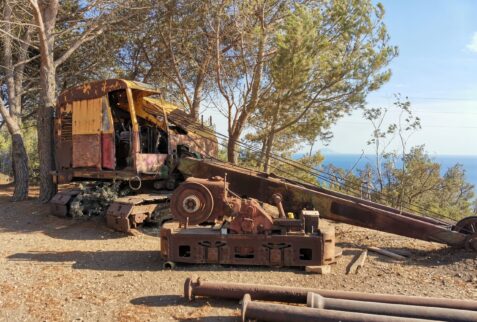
332,205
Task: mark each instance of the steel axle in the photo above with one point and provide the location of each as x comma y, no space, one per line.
411,311
236,291
263,311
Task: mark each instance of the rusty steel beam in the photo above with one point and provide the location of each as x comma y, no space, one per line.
331,204
315,300
263,311
235,291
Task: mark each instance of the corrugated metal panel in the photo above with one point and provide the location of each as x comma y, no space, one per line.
87,116
87,119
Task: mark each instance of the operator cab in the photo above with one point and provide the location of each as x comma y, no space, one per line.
118,129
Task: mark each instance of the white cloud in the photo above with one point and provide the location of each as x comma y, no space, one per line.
472,46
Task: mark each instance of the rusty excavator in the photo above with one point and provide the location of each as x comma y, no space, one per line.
124,133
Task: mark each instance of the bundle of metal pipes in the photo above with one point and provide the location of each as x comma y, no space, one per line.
329,305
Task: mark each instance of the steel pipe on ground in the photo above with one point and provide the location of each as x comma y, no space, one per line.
236,291
411,311
263,311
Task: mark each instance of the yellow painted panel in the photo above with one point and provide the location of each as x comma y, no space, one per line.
160,104
150,117
87,116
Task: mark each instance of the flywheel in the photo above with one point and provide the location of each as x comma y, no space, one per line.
468,226
192,203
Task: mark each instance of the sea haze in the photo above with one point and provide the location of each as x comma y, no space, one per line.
347,161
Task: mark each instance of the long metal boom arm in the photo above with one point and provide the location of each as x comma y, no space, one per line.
332,205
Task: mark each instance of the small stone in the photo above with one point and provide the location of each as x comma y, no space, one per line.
324,269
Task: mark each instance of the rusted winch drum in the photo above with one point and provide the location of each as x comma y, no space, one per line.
468,226
193,201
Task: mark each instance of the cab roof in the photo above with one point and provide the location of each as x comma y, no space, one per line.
100,88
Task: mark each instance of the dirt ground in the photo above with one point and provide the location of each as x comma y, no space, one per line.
4,179
54,269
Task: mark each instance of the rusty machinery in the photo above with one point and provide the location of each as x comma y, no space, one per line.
333,205
239,230
329,305
118,130
121,131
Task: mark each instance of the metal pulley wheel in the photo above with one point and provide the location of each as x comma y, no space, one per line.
468,226
192,203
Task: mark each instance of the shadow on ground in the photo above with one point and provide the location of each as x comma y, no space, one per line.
99,260
161,300
32,216
217,318
134,260
170,300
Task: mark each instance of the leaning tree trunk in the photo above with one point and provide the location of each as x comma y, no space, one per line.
250,107
20,168
19,156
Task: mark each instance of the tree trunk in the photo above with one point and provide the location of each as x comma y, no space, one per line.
199,86
271,138
195,107
12,117
19,156
45,134
249,107
45,152
262,152
45,15
268,151
20,168
232,156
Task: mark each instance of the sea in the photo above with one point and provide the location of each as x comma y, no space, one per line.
347,161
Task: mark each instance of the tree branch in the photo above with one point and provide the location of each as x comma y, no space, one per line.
87,36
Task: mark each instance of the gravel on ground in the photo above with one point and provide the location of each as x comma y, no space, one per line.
57,269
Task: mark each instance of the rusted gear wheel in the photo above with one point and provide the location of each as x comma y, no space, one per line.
192,202
471,242
468,226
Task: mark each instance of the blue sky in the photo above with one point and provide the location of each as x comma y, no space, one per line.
436,68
